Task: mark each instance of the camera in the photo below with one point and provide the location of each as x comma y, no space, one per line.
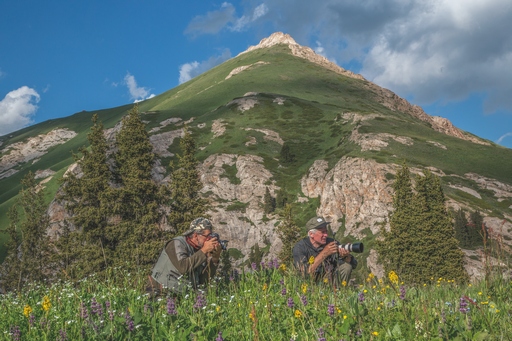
223,243
352,247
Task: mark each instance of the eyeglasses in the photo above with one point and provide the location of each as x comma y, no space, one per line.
205,235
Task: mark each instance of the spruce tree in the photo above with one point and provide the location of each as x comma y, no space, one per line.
476,229
185,202
397,244
88,198
11,267
137,236
289,233
462,229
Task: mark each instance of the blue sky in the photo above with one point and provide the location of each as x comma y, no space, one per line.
57,57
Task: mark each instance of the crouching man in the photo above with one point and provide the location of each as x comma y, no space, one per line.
186,261
320,257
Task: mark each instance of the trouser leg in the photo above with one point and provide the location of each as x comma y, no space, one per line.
343,272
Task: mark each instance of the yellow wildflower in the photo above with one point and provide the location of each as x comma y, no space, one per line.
374,287
345,317
378,308
338,310
46,303
375,333
217,308
365,291
298,313
282,267
311,260
304,288
485,302
479,293
344,283
265,286
393,277
371,276
27,310
326,280
251,316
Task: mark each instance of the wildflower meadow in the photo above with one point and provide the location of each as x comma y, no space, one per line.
269,303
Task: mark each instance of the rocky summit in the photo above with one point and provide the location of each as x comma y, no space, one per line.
345,136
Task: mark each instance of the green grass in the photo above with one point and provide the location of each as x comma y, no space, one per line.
265,304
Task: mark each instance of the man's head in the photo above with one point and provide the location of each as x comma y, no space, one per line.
199,231
317,231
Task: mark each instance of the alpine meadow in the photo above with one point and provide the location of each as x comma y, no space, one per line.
259,145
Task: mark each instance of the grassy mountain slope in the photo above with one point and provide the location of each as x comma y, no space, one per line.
311,120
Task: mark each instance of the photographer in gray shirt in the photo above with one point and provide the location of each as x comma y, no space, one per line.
322,257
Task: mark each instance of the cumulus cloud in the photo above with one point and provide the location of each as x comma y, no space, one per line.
17,109
193,69
442,50
213,22
137,93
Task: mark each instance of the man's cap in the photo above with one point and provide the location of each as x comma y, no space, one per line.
316,223
198,225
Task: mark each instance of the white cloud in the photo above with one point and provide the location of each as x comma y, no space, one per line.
442,50
502,137
137,93
213,22
17,109
193,69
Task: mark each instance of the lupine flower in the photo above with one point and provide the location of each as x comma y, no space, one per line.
27,310
290,302
130,326
219,337
62,335
304,300
262,265
31,320
16,333
463,305
321,334
171,307
253,266
361,297
84,312
276,263
330,309
96,308
283,292
200,302
402,292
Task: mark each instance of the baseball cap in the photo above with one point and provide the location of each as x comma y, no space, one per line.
198,225
315,223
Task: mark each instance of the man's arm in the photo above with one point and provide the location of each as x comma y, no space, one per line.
184,263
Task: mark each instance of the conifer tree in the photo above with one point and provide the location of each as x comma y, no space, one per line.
462,229
33,265
477,229
186,204
269,202
289,233
281,198
137,236
285,155
88,198
11,267
397,244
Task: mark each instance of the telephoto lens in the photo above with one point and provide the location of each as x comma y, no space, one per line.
352,247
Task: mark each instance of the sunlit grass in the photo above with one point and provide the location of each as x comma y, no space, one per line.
270,303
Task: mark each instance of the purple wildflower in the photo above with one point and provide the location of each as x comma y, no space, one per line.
31,320
84,312
96,308
107,304
253,266
276,263
262,265
129,322
330,309
270,264
16,333
219,337
361,297
402,292
281,281
283,292
321,334
171,307
200,302
359,332
304,300
62,335
111,315
463,305
290,302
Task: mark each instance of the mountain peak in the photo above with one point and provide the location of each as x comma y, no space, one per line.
274,39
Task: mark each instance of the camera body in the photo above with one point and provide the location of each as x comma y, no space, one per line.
352,247
223,243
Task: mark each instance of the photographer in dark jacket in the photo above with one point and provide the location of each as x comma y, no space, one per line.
320,257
